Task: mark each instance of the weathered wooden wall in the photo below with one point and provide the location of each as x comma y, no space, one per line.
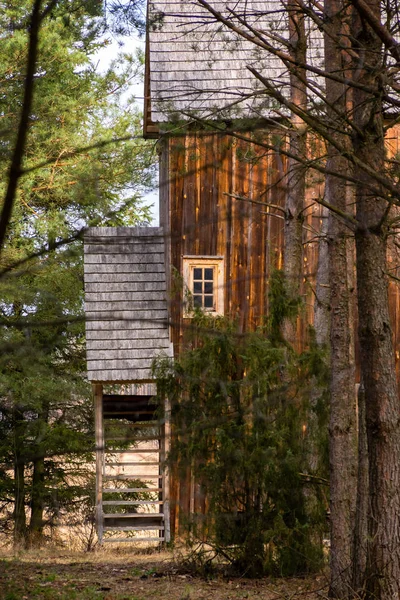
203,176
200,175
226,198
125,302
219,197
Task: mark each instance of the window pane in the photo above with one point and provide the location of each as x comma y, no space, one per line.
197,301
208,302
208,274
198,273
198,287
208,287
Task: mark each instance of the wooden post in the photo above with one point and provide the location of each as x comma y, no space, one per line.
99,437
165,439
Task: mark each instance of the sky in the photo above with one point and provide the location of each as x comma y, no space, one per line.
103,57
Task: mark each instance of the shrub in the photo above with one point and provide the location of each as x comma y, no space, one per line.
253,433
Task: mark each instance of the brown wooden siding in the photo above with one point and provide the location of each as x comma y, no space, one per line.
208,175
203,173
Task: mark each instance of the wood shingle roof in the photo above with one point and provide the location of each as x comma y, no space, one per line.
125,302
197,66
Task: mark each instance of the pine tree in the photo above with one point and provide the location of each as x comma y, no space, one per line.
240,410
45,405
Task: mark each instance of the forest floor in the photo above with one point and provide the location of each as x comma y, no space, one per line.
125,574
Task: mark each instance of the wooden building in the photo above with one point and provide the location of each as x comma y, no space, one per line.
221,205
126,327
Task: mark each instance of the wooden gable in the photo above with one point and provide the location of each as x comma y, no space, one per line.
197,67
126,303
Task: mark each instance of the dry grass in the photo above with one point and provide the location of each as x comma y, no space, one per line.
127,574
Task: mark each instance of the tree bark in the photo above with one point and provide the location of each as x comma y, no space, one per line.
322,286
18,153
376,349
38,476
19,481
342,423
37,503
361,525
293,239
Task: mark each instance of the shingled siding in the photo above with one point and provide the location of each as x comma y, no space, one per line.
125,302
196,66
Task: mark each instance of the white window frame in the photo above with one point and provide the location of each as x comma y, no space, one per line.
215,262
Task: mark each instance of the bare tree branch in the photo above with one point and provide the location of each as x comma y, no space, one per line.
16,162
381,31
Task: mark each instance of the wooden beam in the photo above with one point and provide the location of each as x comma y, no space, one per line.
99,438
164,449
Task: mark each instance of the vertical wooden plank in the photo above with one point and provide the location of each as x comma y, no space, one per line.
179,228
242,209
221,186
224,178
258,248
99,440
199,179
189,194
165,445
206,215
177,233
235,270
214,193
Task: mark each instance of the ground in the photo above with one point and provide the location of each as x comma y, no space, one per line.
133,575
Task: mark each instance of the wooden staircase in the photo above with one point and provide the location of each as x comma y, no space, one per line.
131,483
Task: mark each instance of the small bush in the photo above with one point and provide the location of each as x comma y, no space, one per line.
247,429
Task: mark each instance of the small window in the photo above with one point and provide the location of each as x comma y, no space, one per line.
204,280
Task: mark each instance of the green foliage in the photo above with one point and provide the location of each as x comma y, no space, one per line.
282,305
128,16
74,176
241,411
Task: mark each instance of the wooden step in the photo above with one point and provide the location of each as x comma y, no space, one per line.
127,477
141,528
133,476
145,438
136,450
129,490
132,464
134,539
133,515
129,412
138,478
138,523
139,425
131,502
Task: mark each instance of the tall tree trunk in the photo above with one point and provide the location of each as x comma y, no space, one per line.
37,503
361,524
376,349
322,286
38,478
342,423
293,244
321,327
19,479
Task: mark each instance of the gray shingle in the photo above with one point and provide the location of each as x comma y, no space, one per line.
199,67
125,301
